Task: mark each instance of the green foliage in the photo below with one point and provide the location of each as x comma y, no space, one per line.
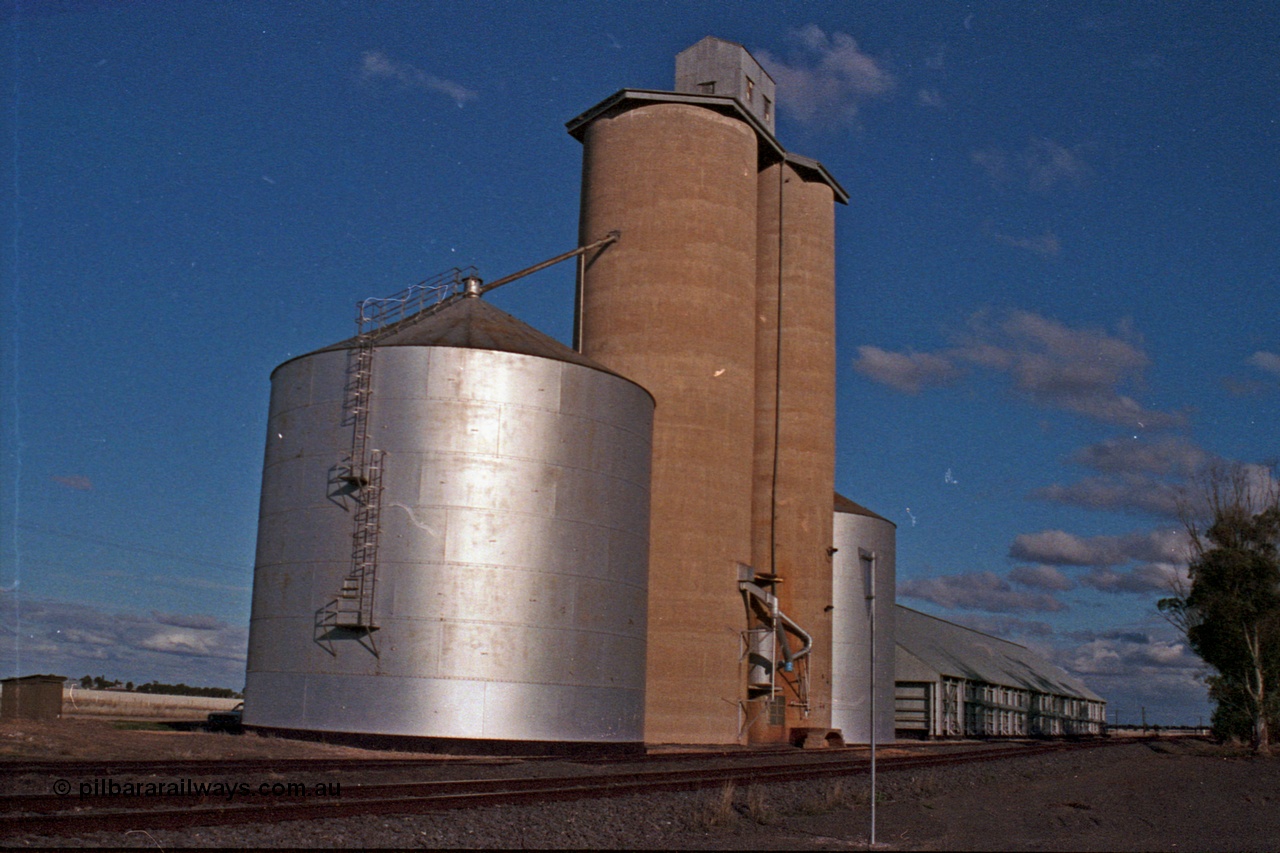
186,690
156,687
1232,720
1231,613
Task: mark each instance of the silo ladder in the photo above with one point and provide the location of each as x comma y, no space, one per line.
354,605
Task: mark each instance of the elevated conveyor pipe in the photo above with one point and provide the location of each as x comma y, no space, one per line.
781,622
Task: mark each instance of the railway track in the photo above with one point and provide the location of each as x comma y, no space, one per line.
222,766
70,814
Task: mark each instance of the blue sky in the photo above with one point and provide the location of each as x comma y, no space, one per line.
1057,276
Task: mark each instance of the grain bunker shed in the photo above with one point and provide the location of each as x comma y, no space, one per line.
453,538
953,681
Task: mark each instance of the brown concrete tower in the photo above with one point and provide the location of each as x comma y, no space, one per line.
685,303
671,306
795,428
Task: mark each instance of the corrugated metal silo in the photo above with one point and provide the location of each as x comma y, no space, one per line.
865,545
672,306
795,414
507,601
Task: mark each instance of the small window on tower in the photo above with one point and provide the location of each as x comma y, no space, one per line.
768,107
708,88
751,88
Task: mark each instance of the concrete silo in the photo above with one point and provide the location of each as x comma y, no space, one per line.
671,305
863,564
795,419
722,230
498,588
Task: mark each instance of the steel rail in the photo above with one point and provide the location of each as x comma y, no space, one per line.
43,814
224,766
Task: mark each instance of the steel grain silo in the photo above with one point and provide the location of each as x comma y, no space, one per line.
499,590
863,563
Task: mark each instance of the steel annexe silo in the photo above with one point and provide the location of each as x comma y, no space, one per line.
866,547
511,574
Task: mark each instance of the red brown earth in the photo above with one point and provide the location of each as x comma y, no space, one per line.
1140,795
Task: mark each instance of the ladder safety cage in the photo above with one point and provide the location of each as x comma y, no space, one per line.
352,607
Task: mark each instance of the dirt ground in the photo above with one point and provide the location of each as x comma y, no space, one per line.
1143,795
96,738
1155,795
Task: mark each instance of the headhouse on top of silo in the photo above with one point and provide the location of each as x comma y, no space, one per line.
717,67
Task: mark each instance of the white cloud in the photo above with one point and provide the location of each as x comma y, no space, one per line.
1041,166
187,620
1059,548
1128,493
1265,361
79,483
1041,577
930,98
73,639
1054,365
1170,455
1165,478
1136,655
1046,245
1149,577
1080,370
909,372
977,591
189,642
827,78
377,66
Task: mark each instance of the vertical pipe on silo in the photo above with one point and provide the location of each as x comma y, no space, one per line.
794,460
671,306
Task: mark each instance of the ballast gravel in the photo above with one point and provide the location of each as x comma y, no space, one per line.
1152,795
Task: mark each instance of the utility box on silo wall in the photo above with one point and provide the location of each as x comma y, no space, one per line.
31,697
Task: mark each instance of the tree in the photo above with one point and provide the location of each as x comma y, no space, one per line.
1230,614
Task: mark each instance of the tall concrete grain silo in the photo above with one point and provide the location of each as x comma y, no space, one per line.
671,306
795,418
453,540
864,581
720,274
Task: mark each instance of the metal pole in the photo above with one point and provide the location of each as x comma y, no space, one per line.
869,560
611,237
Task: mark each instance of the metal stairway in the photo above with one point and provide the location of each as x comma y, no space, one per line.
361,471
360,474
353,607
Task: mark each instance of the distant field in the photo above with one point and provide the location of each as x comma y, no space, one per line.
78,702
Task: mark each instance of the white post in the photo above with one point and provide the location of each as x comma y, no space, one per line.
869,563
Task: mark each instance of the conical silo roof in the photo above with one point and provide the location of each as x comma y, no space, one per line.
843,504
473,323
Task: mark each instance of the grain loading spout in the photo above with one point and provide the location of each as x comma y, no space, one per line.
770,626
